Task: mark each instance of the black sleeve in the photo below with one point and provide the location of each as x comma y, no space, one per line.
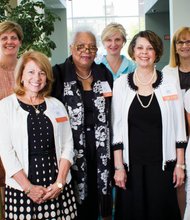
108,75
57,87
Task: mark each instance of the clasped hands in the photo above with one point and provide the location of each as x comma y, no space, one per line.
40,194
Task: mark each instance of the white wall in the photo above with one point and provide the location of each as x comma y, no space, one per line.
159,23
60,38
179,14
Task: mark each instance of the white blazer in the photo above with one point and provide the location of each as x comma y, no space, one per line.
14,136
172,112
187,160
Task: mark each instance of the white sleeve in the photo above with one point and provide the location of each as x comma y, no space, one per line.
68,145
8,154
117,101
187,186
187,101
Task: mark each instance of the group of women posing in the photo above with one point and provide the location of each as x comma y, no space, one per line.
118,123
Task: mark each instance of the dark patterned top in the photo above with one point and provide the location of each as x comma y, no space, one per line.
69,90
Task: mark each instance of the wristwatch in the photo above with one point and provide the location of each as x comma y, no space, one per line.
59,185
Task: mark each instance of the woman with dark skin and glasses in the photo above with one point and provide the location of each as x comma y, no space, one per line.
85,88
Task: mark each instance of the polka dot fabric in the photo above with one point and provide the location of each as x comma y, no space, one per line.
19,207
42,171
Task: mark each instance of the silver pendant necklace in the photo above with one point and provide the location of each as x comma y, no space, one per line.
36,109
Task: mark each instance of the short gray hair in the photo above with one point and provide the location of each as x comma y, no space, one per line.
82,29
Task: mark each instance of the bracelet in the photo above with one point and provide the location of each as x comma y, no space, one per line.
120,168
28,190
182,166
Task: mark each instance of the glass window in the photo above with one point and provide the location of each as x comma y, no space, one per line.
97,14
122,7
86,8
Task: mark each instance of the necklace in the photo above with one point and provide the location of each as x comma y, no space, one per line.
145,83
84,78
36,108
7,68
145,106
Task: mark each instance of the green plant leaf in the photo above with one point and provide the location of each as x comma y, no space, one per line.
37,23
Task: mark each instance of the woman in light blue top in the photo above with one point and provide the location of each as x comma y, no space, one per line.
114,38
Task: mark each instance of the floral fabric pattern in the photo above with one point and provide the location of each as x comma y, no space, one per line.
74,105
69,90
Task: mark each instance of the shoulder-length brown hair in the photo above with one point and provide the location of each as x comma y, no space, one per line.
43,63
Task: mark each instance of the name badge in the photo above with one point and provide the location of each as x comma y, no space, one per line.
106,90
169,92
59,116
61,119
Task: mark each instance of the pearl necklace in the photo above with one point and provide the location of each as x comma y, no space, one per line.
145,106
84,78
145,83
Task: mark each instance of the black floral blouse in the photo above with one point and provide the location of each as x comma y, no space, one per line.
69,90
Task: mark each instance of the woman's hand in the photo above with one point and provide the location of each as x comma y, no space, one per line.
53,192
120,178
178,176
37,193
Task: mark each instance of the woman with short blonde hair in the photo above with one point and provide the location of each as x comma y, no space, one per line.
114,37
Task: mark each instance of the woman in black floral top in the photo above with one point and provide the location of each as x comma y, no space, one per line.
86,89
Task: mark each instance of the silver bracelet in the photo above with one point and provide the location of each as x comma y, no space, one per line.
182,166
120,168
28,190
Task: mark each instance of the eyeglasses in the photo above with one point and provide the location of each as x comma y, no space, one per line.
85,47
181,43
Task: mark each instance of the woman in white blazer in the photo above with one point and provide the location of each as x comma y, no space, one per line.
179,66
187,158
148,136
36,146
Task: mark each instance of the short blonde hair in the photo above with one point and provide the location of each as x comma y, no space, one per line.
113,28
174,57
11,26
44,64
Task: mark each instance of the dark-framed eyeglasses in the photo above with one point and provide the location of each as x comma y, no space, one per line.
85,47
181,42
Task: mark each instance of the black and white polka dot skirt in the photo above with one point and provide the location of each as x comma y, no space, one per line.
19,207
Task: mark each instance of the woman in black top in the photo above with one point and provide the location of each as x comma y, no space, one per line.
85,88
148,136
